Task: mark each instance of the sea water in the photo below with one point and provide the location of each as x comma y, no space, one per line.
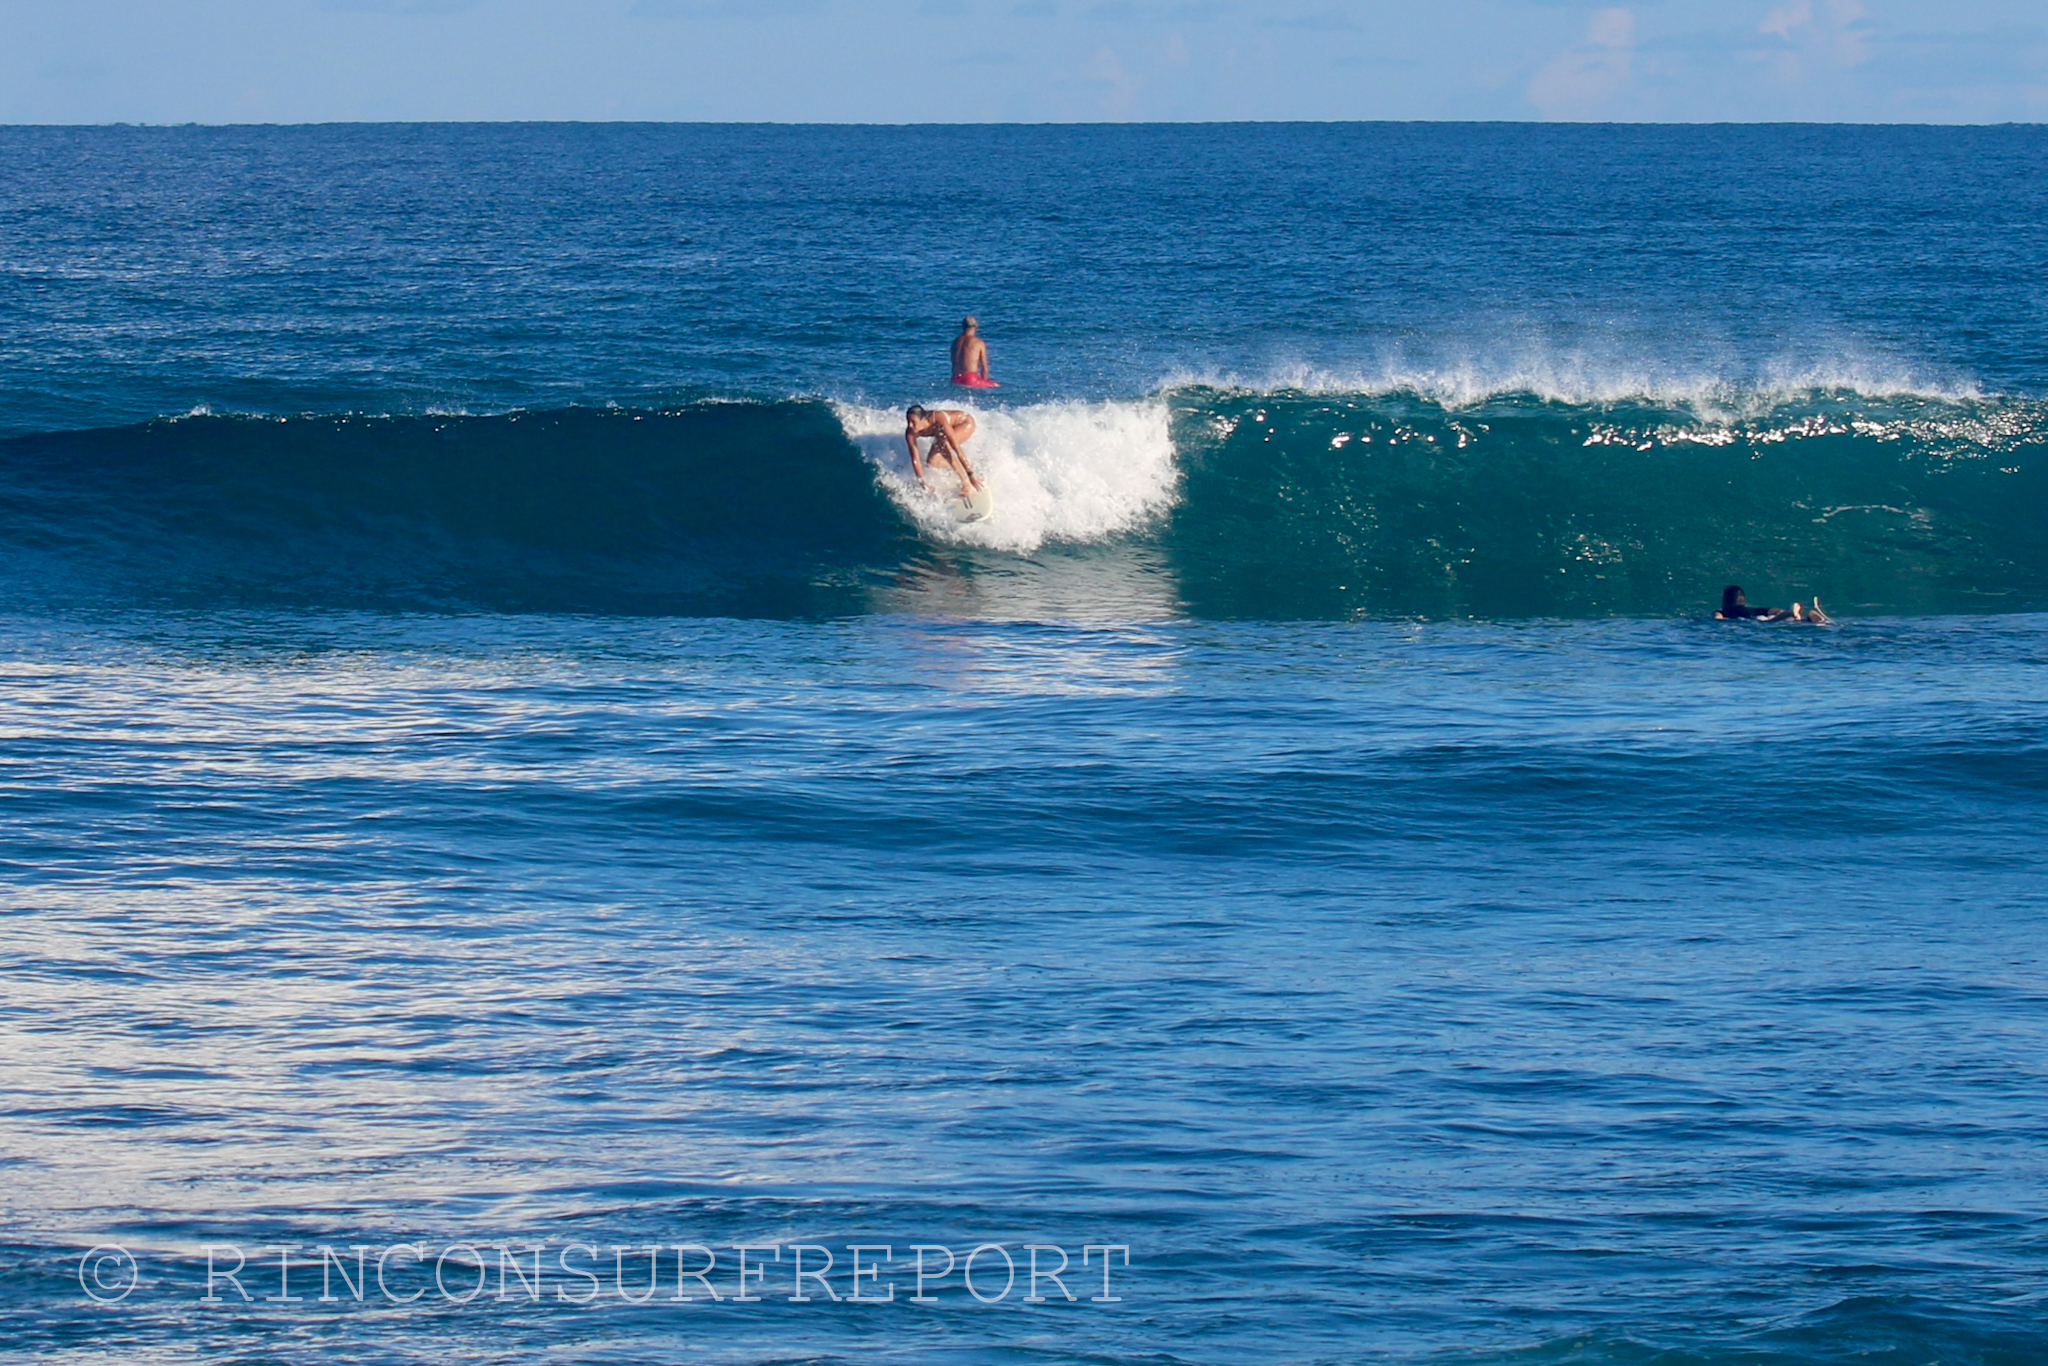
522,818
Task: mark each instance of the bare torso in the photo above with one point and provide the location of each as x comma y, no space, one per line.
970,354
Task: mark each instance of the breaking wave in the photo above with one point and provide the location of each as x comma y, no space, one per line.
1333,505
1061,472
1409,500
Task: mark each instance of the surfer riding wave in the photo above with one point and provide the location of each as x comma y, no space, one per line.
949,430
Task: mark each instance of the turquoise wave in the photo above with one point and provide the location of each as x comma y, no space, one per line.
718,508
1289,505
1304,505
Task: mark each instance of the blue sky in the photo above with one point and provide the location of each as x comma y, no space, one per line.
232,61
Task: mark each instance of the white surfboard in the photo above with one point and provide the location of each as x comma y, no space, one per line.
966,505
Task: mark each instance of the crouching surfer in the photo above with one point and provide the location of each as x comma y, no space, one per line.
949,430
1735,607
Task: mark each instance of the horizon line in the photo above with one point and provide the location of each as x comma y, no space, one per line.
1039,123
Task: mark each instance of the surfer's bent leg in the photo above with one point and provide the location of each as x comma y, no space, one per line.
968,478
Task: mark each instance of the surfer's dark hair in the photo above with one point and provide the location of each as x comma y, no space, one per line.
1729,596
915,410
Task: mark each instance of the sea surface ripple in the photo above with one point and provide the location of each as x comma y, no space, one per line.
1567,992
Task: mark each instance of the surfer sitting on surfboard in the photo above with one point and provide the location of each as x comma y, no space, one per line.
949,429
970,357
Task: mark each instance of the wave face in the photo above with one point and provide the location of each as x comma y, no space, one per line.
719,508
1290,504
1301,504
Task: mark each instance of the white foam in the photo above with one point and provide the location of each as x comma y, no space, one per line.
1584,378
1074,472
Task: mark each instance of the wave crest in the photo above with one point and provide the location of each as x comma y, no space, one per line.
1585,381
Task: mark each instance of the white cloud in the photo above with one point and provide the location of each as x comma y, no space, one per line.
1834,33
1580,81
724,9
1121,87
1784,20
400,6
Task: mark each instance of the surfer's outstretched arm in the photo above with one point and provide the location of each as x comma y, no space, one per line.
957,458
968,477
956,453
916,462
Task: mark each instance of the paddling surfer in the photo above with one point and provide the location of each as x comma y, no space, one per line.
970,357
949,429
1735,607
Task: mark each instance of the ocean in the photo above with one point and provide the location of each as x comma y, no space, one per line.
529,837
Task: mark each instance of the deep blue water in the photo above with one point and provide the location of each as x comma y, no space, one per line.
495,756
